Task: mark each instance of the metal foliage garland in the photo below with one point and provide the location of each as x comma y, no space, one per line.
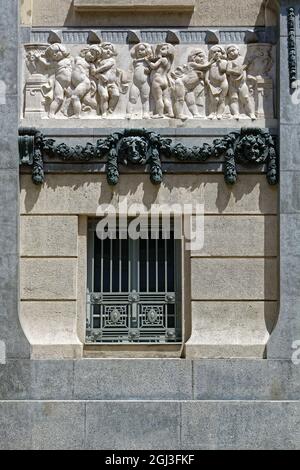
292,53
142,147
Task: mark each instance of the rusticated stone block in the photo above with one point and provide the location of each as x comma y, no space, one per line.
51,329
234,279
49,236
231,329
48,279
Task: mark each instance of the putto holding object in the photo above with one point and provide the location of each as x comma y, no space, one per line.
217,82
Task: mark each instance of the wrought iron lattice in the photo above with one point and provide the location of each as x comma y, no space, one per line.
133,289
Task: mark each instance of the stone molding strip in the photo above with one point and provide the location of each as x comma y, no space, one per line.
139,148
136,5
126,36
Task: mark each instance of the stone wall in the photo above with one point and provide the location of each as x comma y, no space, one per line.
230,285
40,13
193,403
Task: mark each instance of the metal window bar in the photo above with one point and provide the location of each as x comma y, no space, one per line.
133,289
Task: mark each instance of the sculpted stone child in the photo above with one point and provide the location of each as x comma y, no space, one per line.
91,83
106,73
81,82
217,82
238,88
140,87
57,57
187,79
160,80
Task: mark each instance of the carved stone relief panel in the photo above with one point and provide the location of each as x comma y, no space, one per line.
146,81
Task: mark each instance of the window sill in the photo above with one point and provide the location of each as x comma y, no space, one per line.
134,351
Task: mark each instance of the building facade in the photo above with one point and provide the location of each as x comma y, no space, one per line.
149,240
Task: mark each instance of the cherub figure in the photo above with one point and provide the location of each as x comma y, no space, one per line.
187,79
140,87
160,80
57,57
81,82
110,79
238,88
216,80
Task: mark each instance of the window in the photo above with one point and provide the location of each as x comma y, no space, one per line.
134,287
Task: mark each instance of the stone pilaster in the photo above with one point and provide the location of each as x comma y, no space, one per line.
13,340
287,331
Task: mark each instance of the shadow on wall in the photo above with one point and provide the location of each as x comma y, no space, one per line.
271,10
127,19
83,193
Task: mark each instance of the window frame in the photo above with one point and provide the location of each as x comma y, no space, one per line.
179,286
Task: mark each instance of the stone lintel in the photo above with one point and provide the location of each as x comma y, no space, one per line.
140,5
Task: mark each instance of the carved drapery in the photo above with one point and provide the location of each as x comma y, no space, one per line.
139,147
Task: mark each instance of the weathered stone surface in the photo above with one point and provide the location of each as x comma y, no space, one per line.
290,284
15,343
52,379
49,236
285,338
8,208
238,379
10,13
165,126
58,426
290,180
38,425
139,379
8,254
8,262
150,425
9,161
212,379
148,5
234,279
231,329
289,239
15,380
48,279
238,236
246,13
82,193
290,156
240,425
15,425
287,331
26,12
36,380
51,329
132,425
